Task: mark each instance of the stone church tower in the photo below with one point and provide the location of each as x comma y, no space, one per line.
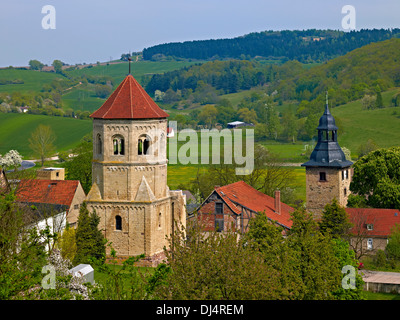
328,173
129,173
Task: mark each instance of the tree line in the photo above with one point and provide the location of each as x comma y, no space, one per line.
304,265
345,79
302,45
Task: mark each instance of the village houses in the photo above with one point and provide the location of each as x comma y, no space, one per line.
137,210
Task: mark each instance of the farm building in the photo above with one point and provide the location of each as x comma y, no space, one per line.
371,228
67,195
232,206
236,124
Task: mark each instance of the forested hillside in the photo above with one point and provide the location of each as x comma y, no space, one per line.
346,78
365,71
304,46
223,76
285,100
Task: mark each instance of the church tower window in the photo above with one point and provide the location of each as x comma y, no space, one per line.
143,145
119,145
118,223
99,144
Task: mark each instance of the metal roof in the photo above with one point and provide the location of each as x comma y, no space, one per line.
327,152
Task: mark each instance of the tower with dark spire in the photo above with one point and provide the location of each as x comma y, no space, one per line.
328,172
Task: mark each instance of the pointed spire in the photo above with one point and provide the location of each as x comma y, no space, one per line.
129,101
327,97
327,112
327,152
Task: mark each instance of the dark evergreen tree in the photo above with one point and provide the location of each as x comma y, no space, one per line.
334,220
90,242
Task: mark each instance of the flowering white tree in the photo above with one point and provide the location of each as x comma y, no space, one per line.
11,159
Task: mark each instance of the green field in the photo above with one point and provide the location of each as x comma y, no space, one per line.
16,128
380,125
83,97
33,80
119,71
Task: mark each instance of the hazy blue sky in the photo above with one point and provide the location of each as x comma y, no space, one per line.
90,31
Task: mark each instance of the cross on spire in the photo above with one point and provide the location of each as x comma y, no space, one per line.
129,61
326,97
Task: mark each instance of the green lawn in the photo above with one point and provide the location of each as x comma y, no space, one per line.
179,174
287,152
16,129
381,296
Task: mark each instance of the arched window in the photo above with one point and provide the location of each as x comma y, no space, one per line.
118,145
159,220
143,145
118,223
99,144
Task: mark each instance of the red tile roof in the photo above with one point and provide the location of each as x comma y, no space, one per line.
246,196
129,101
382,221
47,191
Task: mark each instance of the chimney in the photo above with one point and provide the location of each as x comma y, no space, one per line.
277,201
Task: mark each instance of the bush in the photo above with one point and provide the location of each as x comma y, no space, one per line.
102,91
380,259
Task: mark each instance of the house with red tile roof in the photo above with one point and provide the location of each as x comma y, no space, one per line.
59,195
371,228
232,206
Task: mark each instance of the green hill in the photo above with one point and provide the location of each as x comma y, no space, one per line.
359,125
302,45
118,71
32,80
16,129
347,78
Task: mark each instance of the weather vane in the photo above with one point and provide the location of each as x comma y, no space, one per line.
129,61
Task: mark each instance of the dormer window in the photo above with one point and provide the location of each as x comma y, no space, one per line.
370,227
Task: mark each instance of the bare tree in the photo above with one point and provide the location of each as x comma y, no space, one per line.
41,142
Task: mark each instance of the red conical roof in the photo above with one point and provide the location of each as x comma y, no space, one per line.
129,101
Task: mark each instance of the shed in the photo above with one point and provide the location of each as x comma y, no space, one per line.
84,270
236,124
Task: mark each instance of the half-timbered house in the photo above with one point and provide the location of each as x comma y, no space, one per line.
230,208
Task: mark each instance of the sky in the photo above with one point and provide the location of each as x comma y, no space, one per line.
88,31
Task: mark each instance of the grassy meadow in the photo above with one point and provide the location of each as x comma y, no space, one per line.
118,71
16,129
33,80
380,125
